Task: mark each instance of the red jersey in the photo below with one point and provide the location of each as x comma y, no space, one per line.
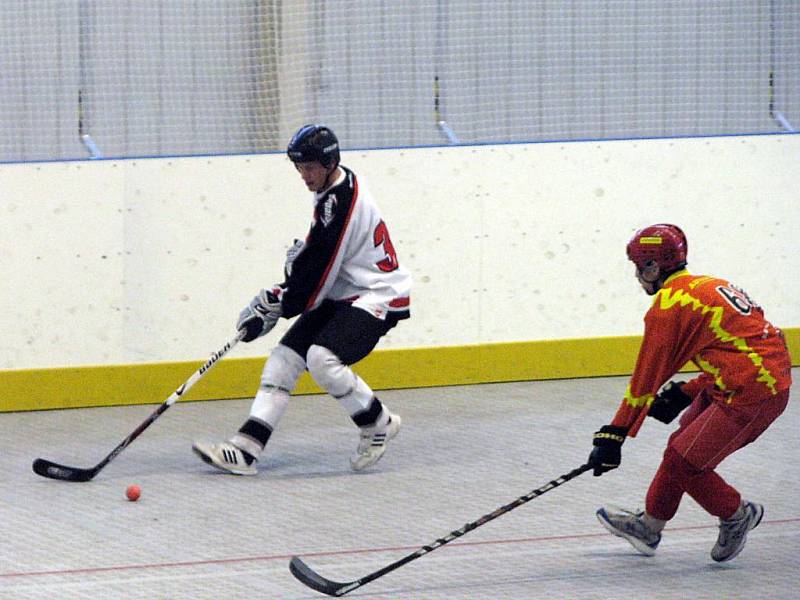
719,328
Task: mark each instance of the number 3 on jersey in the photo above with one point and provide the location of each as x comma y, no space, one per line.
380,237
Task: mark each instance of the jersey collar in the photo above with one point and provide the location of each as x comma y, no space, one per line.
676,274
336,182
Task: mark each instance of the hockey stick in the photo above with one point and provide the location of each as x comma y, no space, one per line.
333,588
46,468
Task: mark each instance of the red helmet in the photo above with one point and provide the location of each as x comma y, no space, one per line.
663,243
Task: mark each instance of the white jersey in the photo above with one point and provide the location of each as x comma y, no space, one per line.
347,256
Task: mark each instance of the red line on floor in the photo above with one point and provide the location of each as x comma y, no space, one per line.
321,553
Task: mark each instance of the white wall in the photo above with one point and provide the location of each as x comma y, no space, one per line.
114,262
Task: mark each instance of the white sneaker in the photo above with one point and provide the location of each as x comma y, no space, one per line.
630,526
733,532
226,457
373,443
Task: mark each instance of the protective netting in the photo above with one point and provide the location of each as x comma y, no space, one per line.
175,77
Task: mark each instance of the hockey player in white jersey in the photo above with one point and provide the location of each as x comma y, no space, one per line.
348,288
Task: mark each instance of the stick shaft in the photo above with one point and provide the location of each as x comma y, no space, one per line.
475,524
314,580
52,470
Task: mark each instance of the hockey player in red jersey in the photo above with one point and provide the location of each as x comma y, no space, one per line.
743,388
348,288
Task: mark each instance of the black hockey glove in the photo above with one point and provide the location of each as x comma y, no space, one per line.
607,452
669,402
261,315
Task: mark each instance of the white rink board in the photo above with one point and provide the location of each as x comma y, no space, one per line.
116,262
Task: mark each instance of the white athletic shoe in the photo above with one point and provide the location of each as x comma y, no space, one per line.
373,443
225,456
630,526
733,532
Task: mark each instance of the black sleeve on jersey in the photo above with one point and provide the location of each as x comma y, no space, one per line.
309,269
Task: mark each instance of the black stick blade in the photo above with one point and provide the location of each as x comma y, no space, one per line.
52,470
315,581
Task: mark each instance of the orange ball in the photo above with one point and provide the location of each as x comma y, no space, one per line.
133,492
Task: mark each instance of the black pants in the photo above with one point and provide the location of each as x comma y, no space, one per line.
350,333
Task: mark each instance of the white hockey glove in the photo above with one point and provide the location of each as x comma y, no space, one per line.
259,317
291,254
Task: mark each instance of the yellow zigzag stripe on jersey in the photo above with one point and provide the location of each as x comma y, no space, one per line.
667,301
699,281
637,401
709,368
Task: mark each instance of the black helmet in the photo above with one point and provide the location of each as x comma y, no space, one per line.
314,143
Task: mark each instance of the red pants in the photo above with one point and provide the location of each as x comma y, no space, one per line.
709,431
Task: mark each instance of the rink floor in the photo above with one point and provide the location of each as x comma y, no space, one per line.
463,452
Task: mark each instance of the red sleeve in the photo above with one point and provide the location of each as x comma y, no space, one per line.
696,385
659,359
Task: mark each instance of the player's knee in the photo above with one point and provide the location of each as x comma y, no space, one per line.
328,371
283,368
321,361
678,468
